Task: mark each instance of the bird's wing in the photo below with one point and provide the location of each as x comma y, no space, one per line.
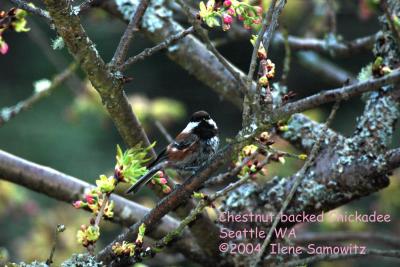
183,141
161,156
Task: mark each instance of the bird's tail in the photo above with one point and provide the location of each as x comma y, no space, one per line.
144,179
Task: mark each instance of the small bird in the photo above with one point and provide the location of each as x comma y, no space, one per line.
194,146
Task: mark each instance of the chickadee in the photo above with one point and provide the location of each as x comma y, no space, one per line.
194,146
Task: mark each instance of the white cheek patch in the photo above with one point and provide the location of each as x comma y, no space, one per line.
212,122
190,127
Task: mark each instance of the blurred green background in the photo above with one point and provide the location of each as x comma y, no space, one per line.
70,132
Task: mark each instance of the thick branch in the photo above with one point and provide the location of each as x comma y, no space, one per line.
375,127
66,188
342,93
107,84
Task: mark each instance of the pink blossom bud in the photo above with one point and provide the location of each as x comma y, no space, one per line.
227,3
227,19
160,174
240,17
247,27
89,199
163,181
231,11
77,204
3,48
259,10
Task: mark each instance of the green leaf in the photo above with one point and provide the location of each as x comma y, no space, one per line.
142,230
20,23
106,184
131,162
93,233
212,21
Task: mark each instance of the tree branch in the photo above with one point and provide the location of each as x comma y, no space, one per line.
371,237
123,46
151,51
322,46
8,113
108,85
260,36
34,10
375,127
338,94
66,188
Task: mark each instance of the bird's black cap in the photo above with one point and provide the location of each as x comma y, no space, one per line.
199,116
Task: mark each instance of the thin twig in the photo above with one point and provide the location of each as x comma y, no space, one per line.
233,186
123,46
164,131
334,257
253,62
268,27
151,51
331,16
59,229
223,176
8,113
299,177
32,9
332,49
204,36
267,37
97,220
339,48
100,214
288,57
